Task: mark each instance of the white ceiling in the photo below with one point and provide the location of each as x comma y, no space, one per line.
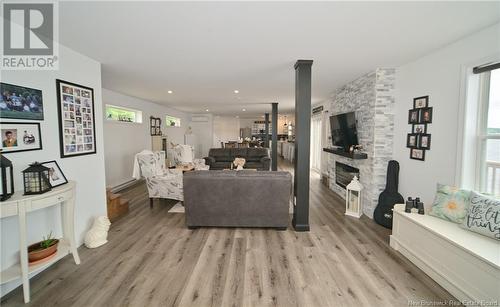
202,51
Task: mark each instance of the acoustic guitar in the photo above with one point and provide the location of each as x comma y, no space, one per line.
389,197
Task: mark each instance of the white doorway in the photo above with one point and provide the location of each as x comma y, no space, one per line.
316,137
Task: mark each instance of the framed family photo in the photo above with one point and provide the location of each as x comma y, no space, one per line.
414,116
56,176
19,102
420,102
417,154
426,115
75,104
424,141
419,128
412,140
20,136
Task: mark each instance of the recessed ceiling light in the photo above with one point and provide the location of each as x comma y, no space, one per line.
207,110
236,91
244,110
169,91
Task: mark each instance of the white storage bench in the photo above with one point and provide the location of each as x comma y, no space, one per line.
463,262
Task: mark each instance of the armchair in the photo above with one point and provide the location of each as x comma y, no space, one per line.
161,182
184,154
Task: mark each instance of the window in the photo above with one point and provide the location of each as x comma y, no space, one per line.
121,114
172,121
489,132
316,136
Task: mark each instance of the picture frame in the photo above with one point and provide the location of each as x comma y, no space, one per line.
20,136
20,102
419,128
414,116
155,126
76,111
412,140
424,141
420,102
425,115
417,154
56,175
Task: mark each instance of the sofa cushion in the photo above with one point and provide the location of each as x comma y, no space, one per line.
221,154
450,203
483,215
253,165
239,153
255,154
220,165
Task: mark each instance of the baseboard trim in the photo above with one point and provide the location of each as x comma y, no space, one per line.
126,185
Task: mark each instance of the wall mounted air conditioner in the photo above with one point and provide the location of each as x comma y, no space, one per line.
199,118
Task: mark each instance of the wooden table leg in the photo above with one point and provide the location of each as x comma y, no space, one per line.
23,253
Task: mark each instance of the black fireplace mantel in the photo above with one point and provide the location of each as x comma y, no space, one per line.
352,155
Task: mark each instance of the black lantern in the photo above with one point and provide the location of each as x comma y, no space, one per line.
7,179
36,179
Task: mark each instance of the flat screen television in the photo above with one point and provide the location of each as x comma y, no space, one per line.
344,132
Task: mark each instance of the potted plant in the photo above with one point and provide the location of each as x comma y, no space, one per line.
43,249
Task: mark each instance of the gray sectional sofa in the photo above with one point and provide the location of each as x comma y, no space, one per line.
221,158
237,198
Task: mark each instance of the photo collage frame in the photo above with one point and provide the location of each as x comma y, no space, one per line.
419,117
76,119
155,126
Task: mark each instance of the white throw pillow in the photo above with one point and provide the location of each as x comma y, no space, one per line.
483,215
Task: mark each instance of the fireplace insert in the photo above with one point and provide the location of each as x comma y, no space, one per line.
344,174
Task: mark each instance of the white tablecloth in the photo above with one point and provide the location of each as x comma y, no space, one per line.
288,151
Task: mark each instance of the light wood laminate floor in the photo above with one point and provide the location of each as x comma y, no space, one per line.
152,259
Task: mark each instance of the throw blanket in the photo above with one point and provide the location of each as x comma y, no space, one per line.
136,173
182,154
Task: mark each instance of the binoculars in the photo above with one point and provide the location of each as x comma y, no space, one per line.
414,203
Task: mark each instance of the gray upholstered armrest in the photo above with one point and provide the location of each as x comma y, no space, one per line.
266,163
209,160
265,159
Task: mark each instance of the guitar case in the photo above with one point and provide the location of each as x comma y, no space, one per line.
389,197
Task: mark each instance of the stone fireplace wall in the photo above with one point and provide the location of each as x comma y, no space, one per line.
372,98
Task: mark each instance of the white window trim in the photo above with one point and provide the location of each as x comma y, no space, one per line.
138,114
468,174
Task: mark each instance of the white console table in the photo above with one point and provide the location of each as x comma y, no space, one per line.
19,205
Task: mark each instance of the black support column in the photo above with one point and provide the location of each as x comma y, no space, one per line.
266,130
274,149
302,144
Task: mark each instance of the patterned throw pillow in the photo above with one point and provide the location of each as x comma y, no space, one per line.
450,203
483,215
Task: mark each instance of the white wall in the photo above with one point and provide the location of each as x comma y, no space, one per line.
439,76
87,171
226,128
123,140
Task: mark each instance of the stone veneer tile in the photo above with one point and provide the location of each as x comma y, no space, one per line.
372,97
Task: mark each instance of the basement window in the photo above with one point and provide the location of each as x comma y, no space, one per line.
121,114
172,121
